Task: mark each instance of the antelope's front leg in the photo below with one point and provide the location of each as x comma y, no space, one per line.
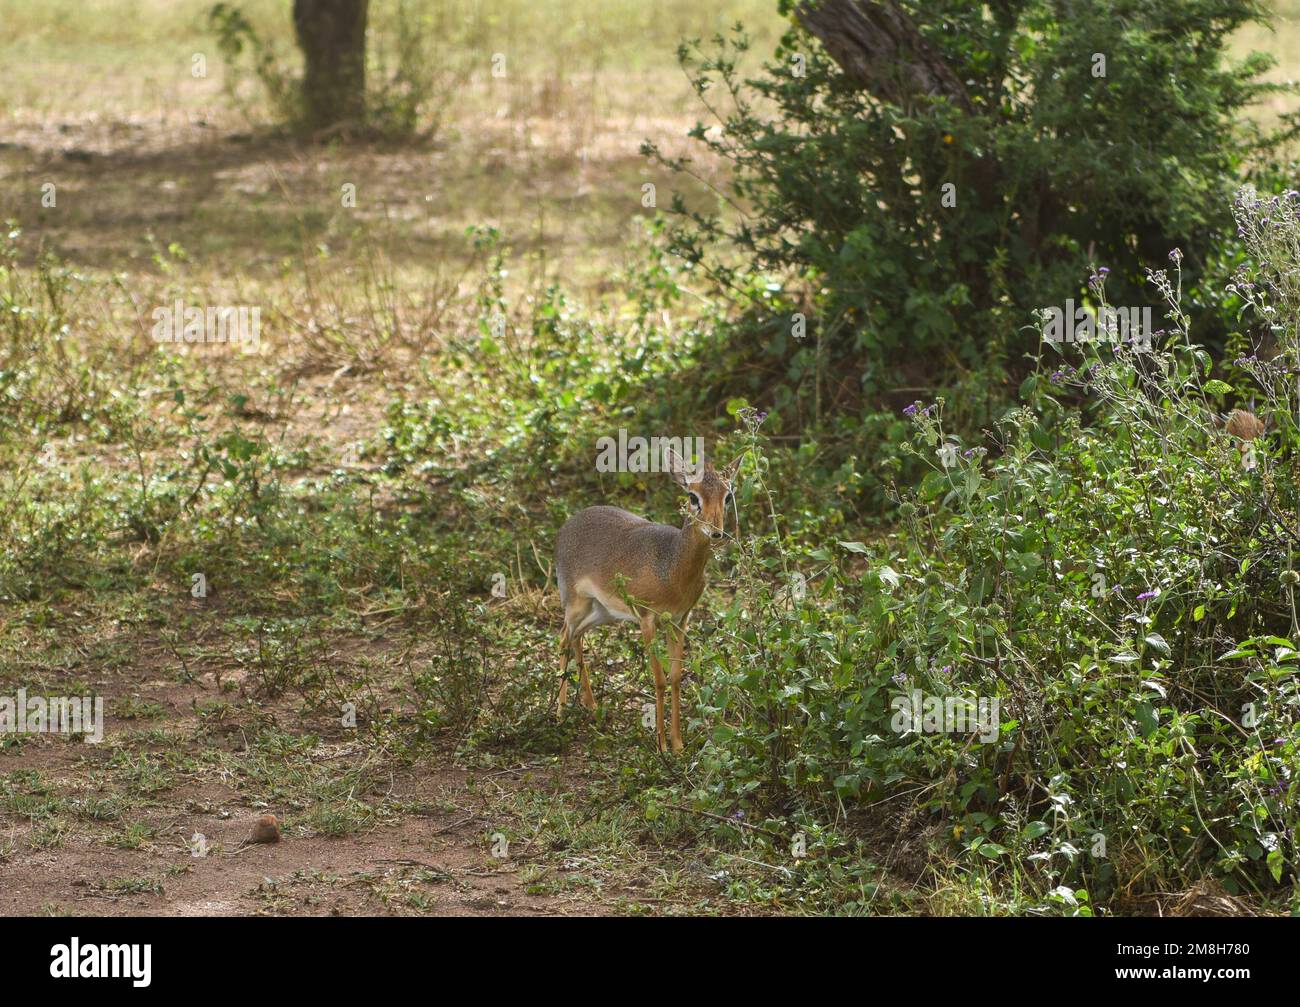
648,635
676,643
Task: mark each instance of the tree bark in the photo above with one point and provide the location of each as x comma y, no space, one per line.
880,49
882,52
332,37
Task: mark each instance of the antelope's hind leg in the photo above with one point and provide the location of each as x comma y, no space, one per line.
564,668
577,620
588,700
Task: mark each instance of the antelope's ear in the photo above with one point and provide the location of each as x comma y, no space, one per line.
683,475
730,473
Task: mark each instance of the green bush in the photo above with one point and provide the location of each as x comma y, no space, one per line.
1124,588
1047,167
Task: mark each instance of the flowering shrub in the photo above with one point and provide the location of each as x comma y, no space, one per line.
1119,575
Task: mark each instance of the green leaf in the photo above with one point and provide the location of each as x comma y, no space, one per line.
1157,642
934,485
1147,720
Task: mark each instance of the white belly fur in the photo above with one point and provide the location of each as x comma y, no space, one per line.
611,606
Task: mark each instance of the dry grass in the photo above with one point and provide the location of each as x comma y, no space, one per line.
99,98
153,165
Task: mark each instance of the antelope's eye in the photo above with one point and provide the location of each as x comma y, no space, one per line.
726,501
695,502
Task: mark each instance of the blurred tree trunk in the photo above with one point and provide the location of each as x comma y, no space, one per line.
332,37
879,48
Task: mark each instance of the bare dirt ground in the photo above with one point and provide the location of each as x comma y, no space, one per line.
434,857
424,866
157,822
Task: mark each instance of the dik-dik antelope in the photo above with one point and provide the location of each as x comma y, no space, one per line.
614,566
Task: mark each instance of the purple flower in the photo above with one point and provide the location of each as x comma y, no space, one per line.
1147,595
1176,255
910,410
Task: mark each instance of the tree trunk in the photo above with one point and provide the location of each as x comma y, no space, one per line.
332,37
880,49
882,52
